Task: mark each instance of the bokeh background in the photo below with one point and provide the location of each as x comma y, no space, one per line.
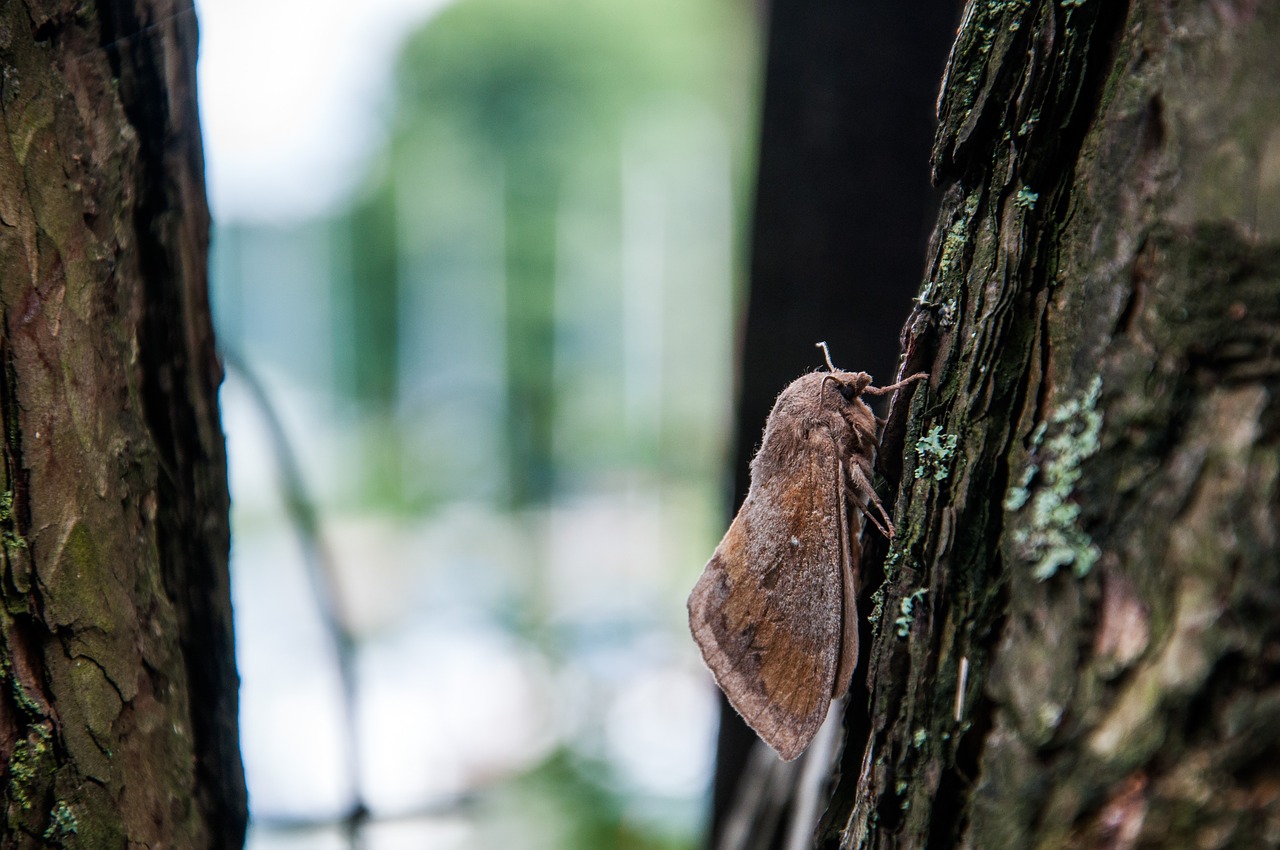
476,271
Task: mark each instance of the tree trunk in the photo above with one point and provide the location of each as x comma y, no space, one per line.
118,698
1078,641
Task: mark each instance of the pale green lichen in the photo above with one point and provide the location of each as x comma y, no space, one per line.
877,605
907,615
22,772
920,738
1026,199
31,757
1049,716
1018,494
1050,537
1030,124
893,559
892,563
933,450
947,314
62,823
23,697
10,539
954,245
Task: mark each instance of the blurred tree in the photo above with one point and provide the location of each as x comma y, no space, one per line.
495,282
1076,644
373,372
502,107
119,697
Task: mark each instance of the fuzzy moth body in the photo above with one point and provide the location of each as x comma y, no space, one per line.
774,610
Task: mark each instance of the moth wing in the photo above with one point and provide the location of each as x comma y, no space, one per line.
768,612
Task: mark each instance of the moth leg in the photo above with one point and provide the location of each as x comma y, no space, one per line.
889,532
862,489
918,376
848,658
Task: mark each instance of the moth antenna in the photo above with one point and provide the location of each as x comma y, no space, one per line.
826,353
823,386
919,376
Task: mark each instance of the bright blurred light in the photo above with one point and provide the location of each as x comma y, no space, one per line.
660,729
291,727
525,677
291,96
447,708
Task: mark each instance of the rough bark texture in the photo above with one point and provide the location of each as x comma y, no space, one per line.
1078,642
118,697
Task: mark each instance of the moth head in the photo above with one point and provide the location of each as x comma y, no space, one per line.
849,385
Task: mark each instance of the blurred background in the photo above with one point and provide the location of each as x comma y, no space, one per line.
476,271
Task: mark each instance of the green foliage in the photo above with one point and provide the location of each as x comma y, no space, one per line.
513,122
543,81
567,804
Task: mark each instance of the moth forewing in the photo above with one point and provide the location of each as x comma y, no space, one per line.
775,612
767,612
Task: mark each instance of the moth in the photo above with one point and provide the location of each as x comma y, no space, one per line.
774,611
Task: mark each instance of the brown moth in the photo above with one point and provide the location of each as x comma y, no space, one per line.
774,611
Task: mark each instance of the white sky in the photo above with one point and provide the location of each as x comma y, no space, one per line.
290,98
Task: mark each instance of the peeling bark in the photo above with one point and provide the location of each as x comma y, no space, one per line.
117,680
1091,652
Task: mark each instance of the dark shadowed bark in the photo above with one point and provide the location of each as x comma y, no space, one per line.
118,697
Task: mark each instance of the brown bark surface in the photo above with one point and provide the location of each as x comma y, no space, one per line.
1077,643
118,689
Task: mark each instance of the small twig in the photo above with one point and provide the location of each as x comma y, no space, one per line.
322,570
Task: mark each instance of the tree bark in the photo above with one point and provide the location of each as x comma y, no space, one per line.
1076,643
118,693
